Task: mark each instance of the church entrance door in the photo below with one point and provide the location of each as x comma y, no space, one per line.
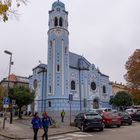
96,103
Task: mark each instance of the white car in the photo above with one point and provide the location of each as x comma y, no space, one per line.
101,110
131,110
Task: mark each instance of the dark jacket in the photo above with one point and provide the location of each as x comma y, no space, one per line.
46,121
36,122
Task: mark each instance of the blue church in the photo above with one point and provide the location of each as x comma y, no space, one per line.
68,79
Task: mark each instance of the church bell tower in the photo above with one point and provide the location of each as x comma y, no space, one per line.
58,53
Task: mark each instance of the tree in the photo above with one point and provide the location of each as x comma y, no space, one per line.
6,8
2,95
133,69
136,96
22,95
121,99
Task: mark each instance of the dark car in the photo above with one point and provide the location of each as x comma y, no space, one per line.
125,117
111,119
89,120
136,116
131,112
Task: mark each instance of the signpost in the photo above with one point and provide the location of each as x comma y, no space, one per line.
70,100
6,102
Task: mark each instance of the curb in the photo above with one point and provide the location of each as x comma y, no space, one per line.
56,134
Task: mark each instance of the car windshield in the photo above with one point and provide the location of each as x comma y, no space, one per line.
129,110
93,116
124,113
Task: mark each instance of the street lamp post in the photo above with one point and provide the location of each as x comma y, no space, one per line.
9,53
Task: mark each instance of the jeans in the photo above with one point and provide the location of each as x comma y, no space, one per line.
35,133
62,119
45,133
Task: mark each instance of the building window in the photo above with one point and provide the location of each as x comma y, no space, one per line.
50,43
61,22
35,84
55,21
58,68
93,85
65,49
72,85
104,89
49,103
50,89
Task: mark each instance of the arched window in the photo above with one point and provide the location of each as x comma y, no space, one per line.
49,103
61,22
65,49
72,85
55,21
58,68
104,89
50,89
51,43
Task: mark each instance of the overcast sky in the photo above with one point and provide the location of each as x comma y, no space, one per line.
106,32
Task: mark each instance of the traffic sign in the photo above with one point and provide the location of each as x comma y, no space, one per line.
6,102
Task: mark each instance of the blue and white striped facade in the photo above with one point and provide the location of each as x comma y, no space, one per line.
67,73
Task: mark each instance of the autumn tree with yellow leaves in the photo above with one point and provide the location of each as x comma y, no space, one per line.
133,75
133,70
8,7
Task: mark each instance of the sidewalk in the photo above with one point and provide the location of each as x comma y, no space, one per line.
21,129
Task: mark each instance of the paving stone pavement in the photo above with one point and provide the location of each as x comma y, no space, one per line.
22,129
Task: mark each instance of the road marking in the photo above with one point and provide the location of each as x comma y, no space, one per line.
79,134
70,136
55,137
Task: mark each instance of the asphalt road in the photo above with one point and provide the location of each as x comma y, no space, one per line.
122,133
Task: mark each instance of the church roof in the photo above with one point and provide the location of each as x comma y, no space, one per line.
58,3
78,61
40,66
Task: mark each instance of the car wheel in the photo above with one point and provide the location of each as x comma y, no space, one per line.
101,128
82,128
75,124
103,125
130,123
118,125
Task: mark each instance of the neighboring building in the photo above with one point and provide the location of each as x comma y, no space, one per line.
15,80
116,87
67,74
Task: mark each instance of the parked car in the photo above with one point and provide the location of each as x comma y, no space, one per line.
111,119
131,111
136,116
89,120
125,117
101,110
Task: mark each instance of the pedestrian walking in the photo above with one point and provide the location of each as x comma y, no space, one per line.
36,124
46,122
62,115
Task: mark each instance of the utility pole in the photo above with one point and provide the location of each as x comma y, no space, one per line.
8,86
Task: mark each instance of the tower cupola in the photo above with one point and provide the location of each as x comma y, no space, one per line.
58,17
